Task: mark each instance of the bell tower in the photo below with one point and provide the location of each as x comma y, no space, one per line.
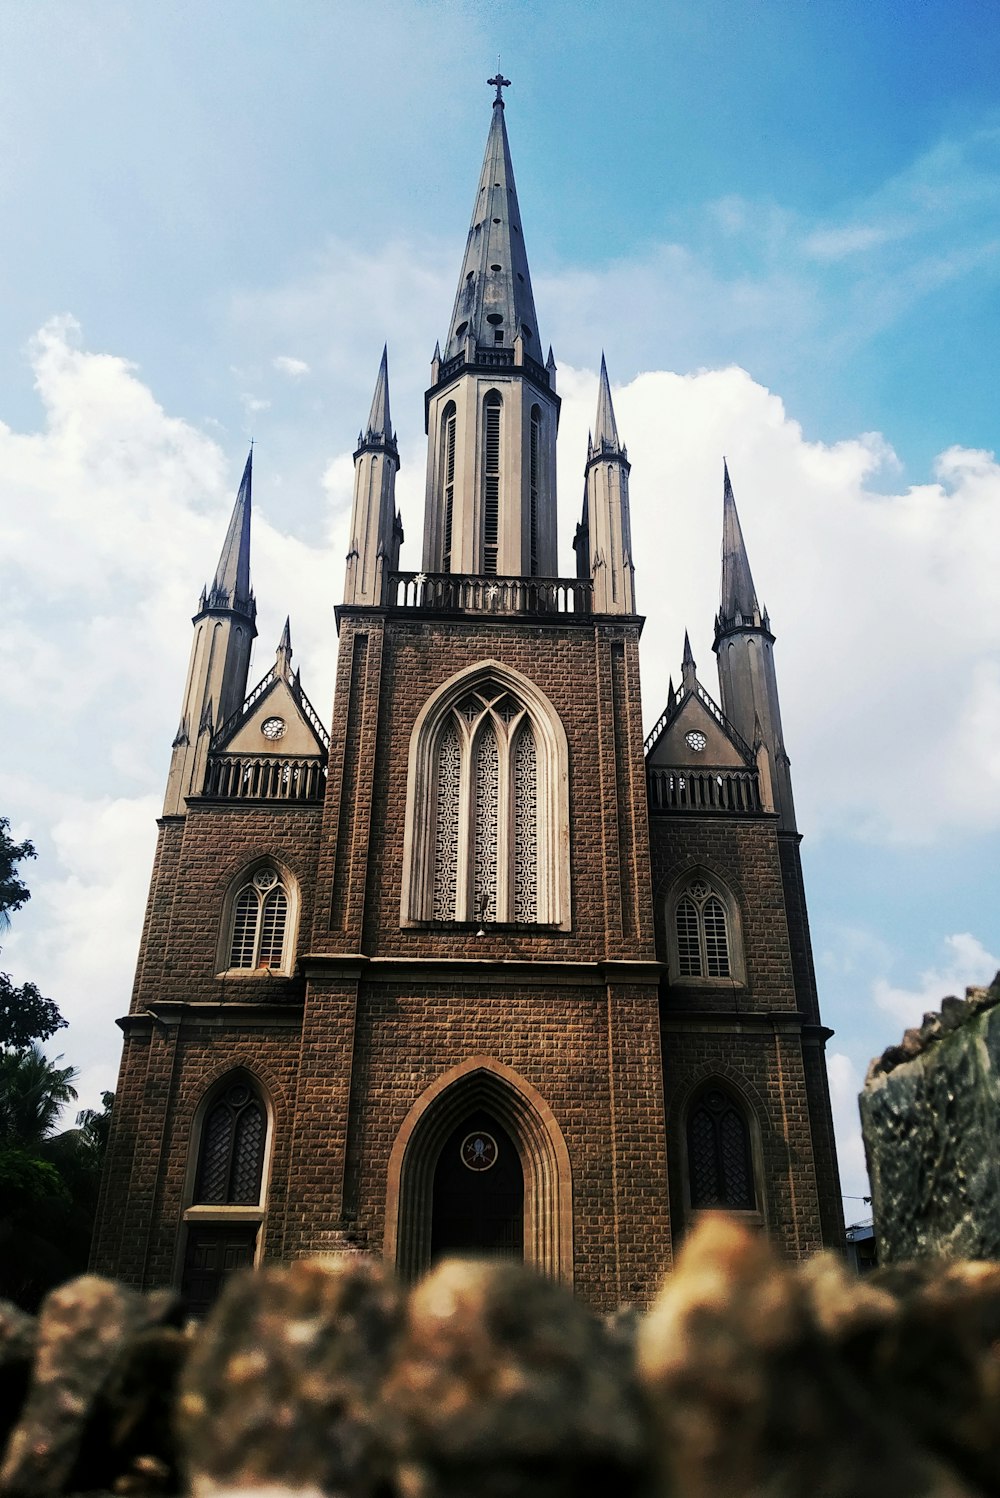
492,411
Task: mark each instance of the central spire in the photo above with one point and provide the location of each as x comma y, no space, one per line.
494,304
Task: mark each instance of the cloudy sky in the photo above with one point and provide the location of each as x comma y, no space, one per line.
781,221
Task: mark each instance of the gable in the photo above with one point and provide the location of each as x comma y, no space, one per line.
694,716
279,700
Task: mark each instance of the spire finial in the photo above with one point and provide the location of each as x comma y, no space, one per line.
499,83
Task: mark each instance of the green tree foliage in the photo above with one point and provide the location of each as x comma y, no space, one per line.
49,1179
25,1014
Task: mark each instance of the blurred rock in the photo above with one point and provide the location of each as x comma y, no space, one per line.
18,1337
283,1385
507,1385
84,1330
748,1396
931,1121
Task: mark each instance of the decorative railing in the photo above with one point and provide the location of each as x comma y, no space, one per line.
258,777
492,358
472,593
703,790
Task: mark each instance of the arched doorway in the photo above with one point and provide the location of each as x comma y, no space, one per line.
448,1104
478,1194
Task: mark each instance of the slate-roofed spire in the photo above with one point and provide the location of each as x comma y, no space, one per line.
689,671
231,586
738,595
494,289
605,437
379,432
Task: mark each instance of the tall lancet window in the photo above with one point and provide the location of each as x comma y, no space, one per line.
491,481
534,460
486,794
448,438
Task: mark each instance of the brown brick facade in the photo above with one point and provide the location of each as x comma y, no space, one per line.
584,1019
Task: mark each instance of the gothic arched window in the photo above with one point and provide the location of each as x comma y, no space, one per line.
449,422
231,1159
486,833
259,917
720,1159
492,407
487,825
703,932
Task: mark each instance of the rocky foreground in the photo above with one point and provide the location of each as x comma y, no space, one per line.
747,1377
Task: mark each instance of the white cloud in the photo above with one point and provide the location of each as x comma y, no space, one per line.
294,368
965,961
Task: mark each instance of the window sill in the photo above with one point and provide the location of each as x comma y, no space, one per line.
256,973
222,1211
722,985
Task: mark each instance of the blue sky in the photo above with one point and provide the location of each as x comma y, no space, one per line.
782,222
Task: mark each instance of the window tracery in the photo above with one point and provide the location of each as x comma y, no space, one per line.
703,932
231,1159
487,818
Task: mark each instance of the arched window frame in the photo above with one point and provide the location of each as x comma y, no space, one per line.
534,485
717,890
492,481
449,461
756,1214
552,905
222,1213
227,930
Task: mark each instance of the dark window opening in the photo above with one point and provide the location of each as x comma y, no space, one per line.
232,1150
719,1157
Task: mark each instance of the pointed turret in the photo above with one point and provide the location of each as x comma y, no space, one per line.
748,683
607,508
376,531
224,631
492,411
231,586
283,654
494,304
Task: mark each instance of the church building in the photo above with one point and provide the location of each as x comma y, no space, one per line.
473,967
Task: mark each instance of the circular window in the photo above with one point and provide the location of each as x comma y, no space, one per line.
265,879
495,318
460,330
695,740
479,1150
494,266
273,728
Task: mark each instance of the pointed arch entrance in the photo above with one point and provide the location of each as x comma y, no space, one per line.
452,1112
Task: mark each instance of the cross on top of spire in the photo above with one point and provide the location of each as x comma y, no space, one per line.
499,83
